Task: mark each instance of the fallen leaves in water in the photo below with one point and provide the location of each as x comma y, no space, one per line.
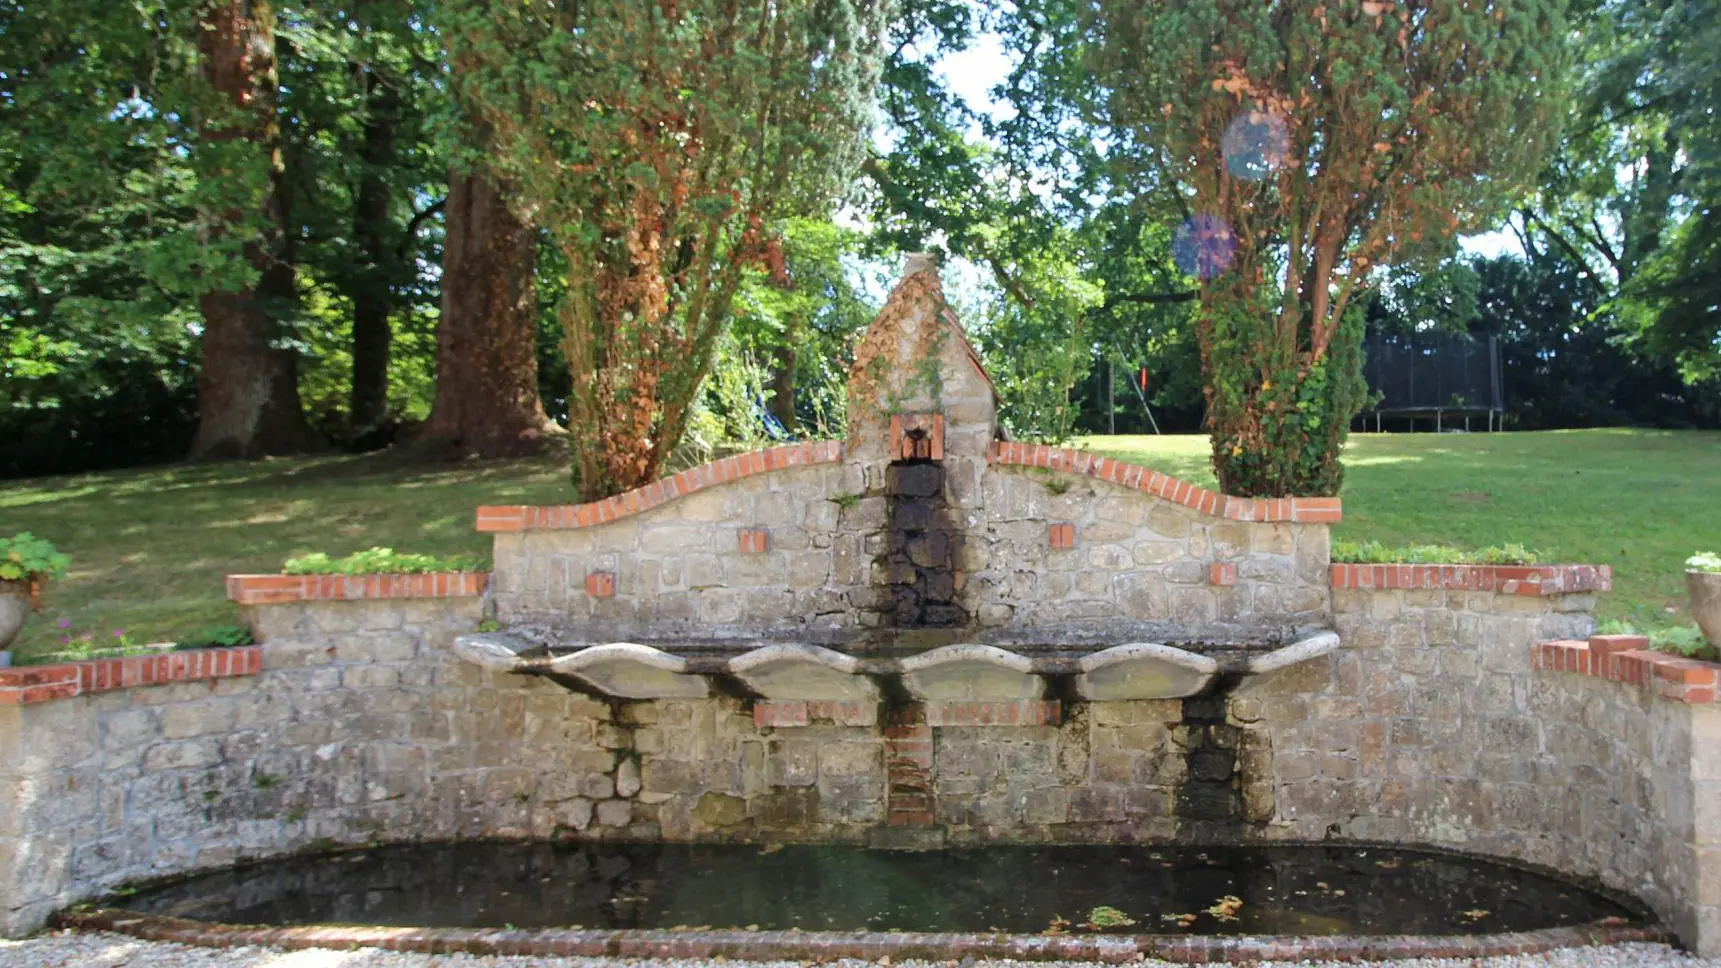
1181,920
1388,865
1059,925
1474,915
770,849
1226,908
1105,916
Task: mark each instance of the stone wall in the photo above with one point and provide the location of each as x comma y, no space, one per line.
1430,726
1142,550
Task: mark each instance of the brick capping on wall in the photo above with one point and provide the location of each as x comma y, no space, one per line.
28,685
1505,579
1628,659
1300,510
520,517
282,589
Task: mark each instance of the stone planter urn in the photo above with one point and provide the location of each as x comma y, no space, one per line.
1704,588
14,608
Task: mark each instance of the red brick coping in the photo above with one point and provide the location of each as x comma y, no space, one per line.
283,589
1628,659
1301,510
522,517
28,685
830,945
1505,579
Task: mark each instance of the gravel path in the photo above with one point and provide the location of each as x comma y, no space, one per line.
115,951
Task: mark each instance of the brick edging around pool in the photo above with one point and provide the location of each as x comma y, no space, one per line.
830,945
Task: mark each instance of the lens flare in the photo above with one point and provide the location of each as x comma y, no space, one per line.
1203,246
1256,144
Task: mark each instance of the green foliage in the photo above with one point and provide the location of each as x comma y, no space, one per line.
1705,561
1685,640
378,561
658,145
1103,917
217,637
1376,553
1384,129
25,557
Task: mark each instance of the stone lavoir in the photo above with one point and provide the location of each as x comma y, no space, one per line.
924,635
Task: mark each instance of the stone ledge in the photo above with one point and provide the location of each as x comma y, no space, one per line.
1627,659
28,685
522,517
822,946
285,589
1297,510
1504,579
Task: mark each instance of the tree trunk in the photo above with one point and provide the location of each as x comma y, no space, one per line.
486,341
248,388
783,385
373,279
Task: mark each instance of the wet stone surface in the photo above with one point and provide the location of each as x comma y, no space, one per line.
922,581
1300,890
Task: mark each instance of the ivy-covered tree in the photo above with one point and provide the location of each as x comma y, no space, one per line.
1319,140
657,144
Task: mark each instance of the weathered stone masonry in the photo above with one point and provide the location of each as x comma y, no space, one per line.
1430,726
1457,706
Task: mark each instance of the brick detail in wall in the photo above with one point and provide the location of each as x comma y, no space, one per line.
1222,573
281,589
754,541
908,774
917,436
1299,510
1063,537
1627,659
28,685
1504,579
601,584
520,517
789,714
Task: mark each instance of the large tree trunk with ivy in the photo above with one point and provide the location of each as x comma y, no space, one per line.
247,386
486,341
719,117
1321,140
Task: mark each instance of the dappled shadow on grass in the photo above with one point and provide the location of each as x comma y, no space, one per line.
150,546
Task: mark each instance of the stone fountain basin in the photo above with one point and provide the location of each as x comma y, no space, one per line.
1018,666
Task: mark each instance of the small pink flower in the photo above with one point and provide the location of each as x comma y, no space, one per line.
65,623
119,633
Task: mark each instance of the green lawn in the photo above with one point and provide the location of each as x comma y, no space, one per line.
1641,501
150,547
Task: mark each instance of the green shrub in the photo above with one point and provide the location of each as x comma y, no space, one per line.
378,561
1685,640
1707,561
1376,553
25,556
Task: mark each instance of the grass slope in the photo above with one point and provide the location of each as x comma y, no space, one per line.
149,547
1641,501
